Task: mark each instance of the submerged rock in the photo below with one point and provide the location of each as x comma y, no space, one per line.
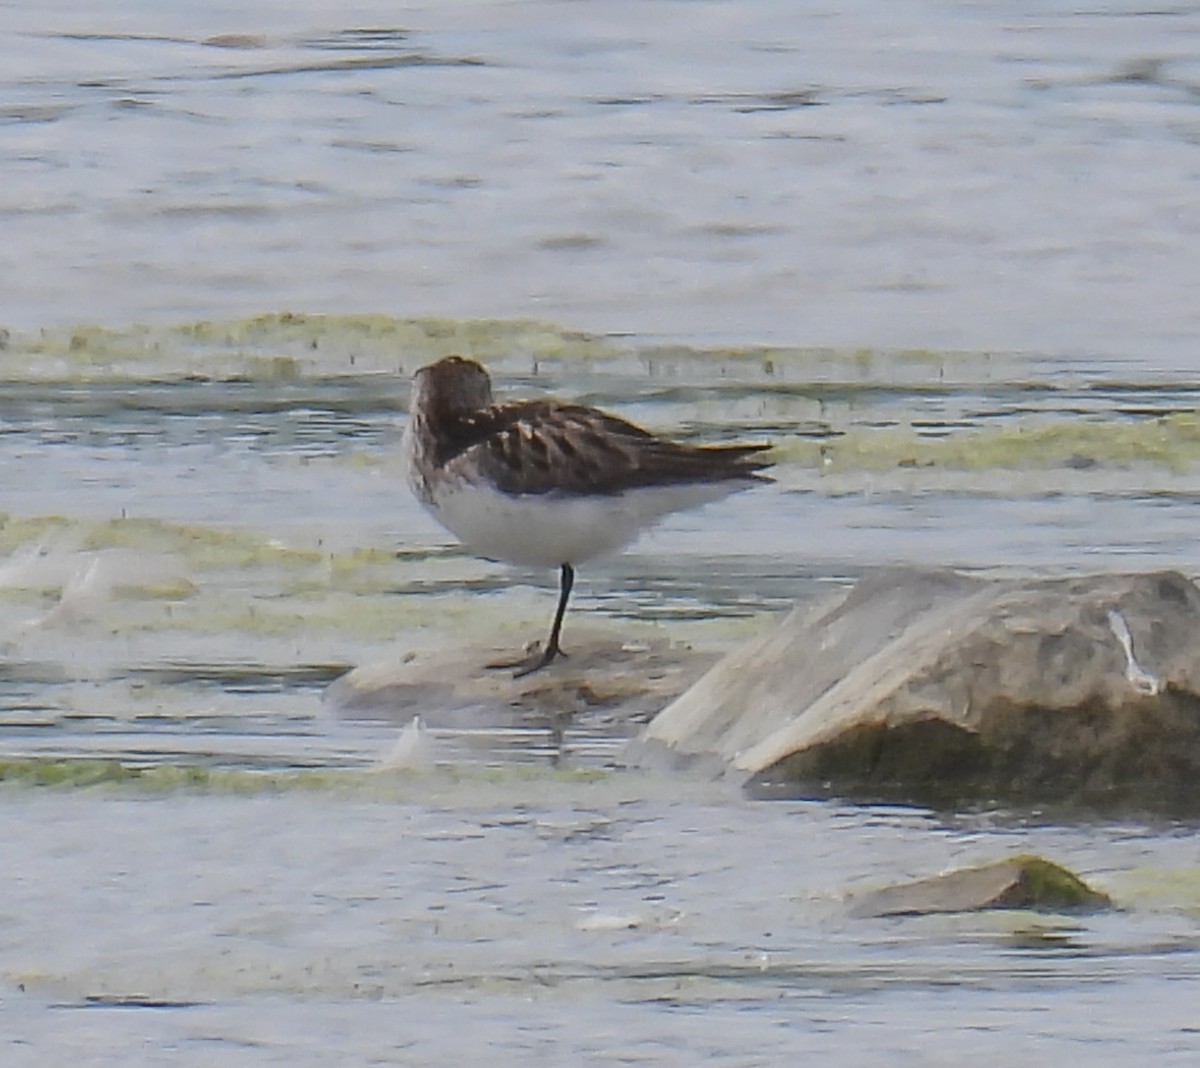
1022,882
936,687
624,680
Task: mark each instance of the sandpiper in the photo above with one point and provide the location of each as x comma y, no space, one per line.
544,483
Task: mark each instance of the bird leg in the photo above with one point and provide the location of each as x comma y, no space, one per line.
538,659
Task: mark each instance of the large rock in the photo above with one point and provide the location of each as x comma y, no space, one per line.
936,687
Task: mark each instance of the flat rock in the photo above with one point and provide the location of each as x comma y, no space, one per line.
631,680
936,687
1022,882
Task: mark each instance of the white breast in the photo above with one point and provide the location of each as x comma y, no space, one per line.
546,530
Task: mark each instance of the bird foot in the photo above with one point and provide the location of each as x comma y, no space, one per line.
534,660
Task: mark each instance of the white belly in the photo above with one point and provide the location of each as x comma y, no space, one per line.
545,530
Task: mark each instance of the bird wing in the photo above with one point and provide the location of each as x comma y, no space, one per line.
545,446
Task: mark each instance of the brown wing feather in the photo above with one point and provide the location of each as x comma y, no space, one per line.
545,446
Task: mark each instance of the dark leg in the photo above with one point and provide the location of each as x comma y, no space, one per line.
566,582
552,650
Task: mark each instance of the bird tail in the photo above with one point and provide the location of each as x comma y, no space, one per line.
739,461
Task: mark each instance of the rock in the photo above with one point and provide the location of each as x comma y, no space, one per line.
1022,882
450,686
936,687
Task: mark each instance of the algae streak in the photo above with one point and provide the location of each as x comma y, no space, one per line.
370,783
282,347
1055,889
1170,441
290,346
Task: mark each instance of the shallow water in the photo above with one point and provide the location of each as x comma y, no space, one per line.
567,921
983,215
1013,175
191,548
190,560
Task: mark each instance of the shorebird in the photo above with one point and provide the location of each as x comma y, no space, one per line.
544,483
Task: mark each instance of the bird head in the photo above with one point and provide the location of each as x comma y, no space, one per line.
452,387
